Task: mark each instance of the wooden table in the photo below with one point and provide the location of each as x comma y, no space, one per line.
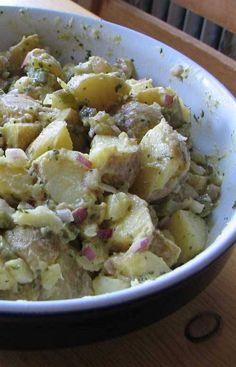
162,344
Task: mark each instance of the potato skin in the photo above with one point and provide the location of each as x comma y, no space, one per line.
117,158
39,252
137,118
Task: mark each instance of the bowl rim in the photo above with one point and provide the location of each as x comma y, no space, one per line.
118,298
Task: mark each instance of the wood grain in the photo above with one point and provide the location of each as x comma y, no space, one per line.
65,5
220,12
160,345
221,66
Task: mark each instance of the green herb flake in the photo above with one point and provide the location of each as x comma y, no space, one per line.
117,87
88,54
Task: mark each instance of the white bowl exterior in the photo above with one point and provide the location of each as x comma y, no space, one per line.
214,134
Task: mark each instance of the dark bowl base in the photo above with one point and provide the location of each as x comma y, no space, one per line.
64,330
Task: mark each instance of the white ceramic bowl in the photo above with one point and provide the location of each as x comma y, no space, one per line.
73,36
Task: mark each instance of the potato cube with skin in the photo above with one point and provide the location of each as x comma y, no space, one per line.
156,94
137,118
136,223
166,248
164,162
142,265
64,174
104,284
190,233
54,136
20,135
117,158
100,91
18,52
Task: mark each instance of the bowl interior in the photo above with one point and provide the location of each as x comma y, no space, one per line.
73,37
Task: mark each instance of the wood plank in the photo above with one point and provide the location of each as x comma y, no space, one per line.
221,12
65,5
221,66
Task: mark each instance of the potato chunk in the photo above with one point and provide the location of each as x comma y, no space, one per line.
40,59
29,244
100,91
189,232
165,248
15,181
104,284
64,173
137,118
117,158
54,136
141,265
20,135
18,52
38,217
135,223
155,94
117,206
164,162
19,108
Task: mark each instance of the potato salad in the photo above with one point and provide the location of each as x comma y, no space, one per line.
101,188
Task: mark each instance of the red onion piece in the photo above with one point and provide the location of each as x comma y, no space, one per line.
104,234
24,96
80,215
140,245
167,100
84,161
109,267
25,61
89,252
164,223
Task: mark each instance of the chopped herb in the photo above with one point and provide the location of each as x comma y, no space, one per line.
161,50
88,54
202,114
234,205
117,87
55,153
